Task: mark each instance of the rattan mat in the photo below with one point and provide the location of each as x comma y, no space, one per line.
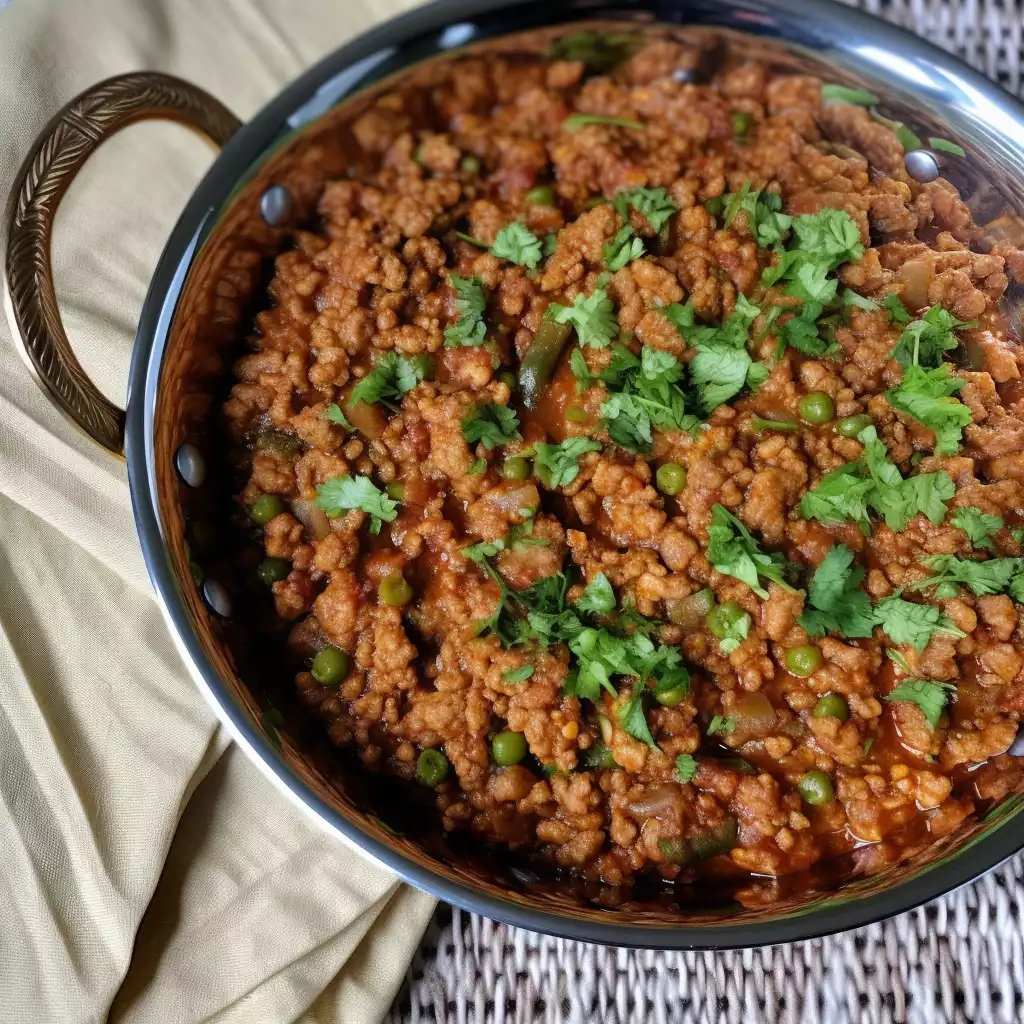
959,959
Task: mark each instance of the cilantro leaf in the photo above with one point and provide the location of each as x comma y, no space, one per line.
470,302
593,317
574,122
518,244
633,719
831,92
722,365
557,465
906,622
736,631
930,696
801,331
979,526
686,767
925,395
490,424
389,380
897,311
720,725
483,550
627,422
765,222
625,247
342,493
519,675
477,466
733,551
598,597
335,415
839,605
992,576
924,341
653,203
874,482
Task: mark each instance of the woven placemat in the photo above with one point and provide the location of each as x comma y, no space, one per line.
959,959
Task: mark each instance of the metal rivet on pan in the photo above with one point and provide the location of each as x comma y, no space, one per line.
921,165
191,465
217,598
276,206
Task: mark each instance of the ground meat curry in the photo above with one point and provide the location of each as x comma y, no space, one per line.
637,462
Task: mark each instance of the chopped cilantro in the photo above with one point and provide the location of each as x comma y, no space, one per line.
874,482
518,244
342,493
557,465
598,597
477,466
686,767
979,526
765,221
627,423
655,204
720,725
992,576
601,52
519,675
852,298
335,415
924,341
758,423
625,247
574,122
469,329
632,717
831,92
930,696
897,311
549,245
736,631
906,622
593,317
722,365
389,380
926,395
490,424
839,605
471,239
733,551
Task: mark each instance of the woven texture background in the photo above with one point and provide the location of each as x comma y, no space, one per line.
959,959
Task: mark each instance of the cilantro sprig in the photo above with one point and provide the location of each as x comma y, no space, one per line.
982,578
929,695
557,465
625,247
927,396
838,603
392,377
592,316
924,341
872,482
979,526
470,303
490,424
732,550
518,244
654,204
342,493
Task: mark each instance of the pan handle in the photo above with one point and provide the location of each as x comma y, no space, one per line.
63,147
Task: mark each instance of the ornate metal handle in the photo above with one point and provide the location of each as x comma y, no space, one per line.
58,154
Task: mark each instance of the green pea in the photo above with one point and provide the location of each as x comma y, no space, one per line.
832,705
576,414
424,365
330,666
395,590
723,617
816,788
508,748
431,767
265,508
670,478
417,153
817,407
802,661
470,164
672,698
598,757
515,468
396,491
851,426
273,570
508,378
542,195
741,123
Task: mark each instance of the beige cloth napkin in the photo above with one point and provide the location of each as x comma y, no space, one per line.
147,871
